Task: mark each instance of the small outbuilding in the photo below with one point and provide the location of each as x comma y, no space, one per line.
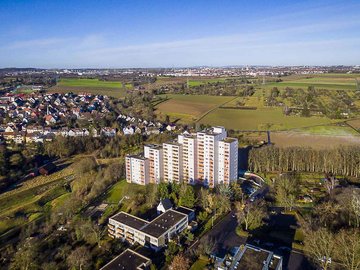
164,205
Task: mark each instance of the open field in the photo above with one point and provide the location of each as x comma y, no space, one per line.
331,81
188,108
261,119
89,83
332,130
285,139
354,123
198,82
93,86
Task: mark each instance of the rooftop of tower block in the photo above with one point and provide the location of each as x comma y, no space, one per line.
139,156
214,130
229,140
173,143
154,146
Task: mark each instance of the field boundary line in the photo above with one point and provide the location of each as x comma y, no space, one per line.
212,109
350,126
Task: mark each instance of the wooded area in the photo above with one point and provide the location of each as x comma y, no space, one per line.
339,161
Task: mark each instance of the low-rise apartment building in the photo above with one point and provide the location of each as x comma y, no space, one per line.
155,233
128,260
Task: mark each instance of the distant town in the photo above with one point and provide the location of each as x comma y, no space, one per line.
226,168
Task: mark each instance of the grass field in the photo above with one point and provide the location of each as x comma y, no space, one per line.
89,83
198,82
93,86
188,108
260,119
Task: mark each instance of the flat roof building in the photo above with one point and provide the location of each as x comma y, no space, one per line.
207,157
227,161
128,260
155,233
137,169
172,161
189,157
254,258
154,153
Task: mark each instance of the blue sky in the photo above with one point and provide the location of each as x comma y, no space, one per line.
115,34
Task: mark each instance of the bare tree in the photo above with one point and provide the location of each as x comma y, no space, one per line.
330,183
287,189
251,214
180,262
355,207
327,213
79,258
26,257
320,247
206,246
348,251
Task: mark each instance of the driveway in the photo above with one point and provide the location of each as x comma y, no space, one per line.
225,236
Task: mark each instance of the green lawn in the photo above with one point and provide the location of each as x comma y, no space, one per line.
92,86
200,264
115,194
122,189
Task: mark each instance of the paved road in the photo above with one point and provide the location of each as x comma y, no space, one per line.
223,233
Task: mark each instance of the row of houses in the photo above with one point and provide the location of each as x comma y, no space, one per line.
52,108
40,134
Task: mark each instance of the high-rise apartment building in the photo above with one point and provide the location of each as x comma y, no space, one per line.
227,161
189,157
207,152
137,169
172,162
154,153
208,157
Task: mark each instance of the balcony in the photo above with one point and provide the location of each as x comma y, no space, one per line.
129,235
